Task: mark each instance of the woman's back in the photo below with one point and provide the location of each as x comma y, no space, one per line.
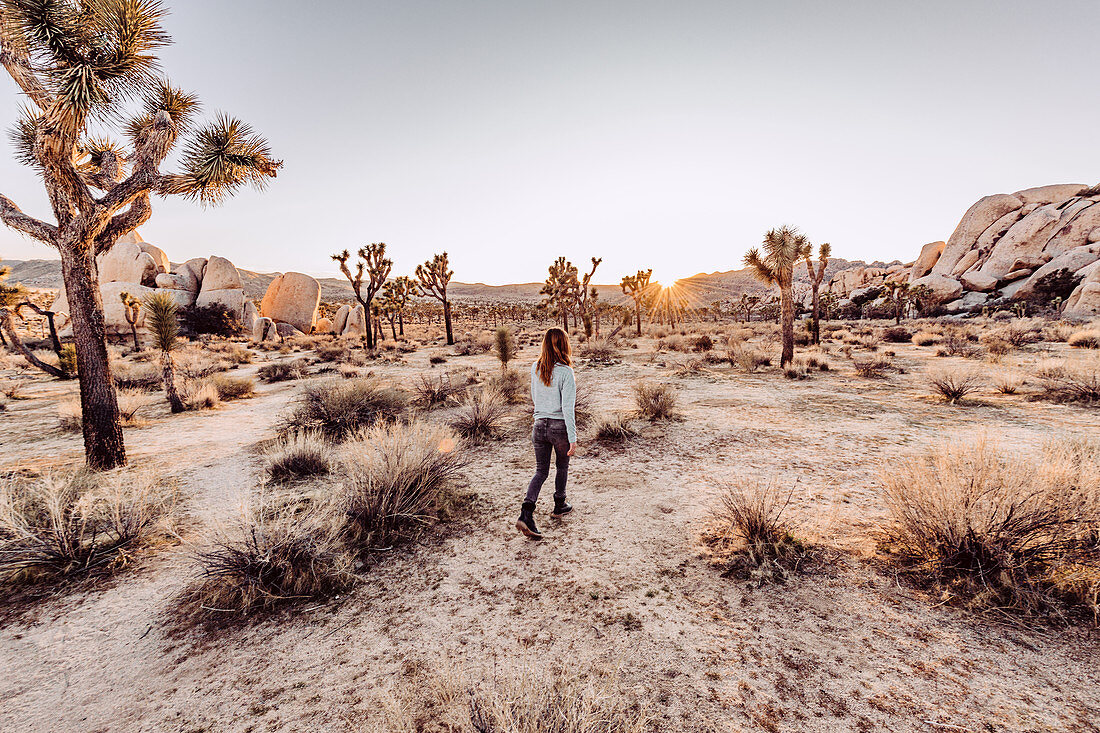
557,400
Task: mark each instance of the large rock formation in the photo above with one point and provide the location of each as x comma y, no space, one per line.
1003,247
292,298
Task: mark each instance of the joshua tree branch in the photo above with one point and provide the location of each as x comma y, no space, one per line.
138,213
15,61
14,217
8,326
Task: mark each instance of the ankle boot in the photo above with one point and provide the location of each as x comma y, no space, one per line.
526,521
561,508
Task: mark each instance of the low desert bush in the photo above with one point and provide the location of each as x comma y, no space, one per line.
482,415
897,335
75,523
872,367
954,383
615,428
237,354
297,456
437,359
748,537
796,370
143,375
746,359
233,388
130,403
655,401
927,338
337,408
1070,383
1007,382
599,350
1058,332
431,390
396,479
691,368
702,343
282,371
514,386
995,345
1089,339
1001,532
200,394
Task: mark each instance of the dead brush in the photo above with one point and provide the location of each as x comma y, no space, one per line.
600,351
615,429
872,367
431,390
747,359
655,401
77,523
1007,382
282,371
397,480
297,456
482,415
1077,383
233,388
130,402
199,394
339,407
749,539
1005,533
691,368
512,385
280,552
1088,339
954,383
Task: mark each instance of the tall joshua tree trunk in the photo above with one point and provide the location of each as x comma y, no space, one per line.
447,322
175,403
102,426
786,314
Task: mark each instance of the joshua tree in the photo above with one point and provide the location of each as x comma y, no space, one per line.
393,303
161,319
434,276
83,65
589,296
899,294
636,287
561,288
372,261
816,276
783,247
748,304
397,292
505,347
133,310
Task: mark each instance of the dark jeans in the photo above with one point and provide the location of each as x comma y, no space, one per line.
549,436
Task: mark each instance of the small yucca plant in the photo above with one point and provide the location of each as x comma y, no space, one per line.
505,346
162,321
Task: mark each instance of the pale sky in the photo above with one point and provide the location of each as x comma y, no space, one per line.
669,135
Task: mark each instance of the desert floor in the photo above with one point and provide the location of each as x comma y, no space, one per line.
620,587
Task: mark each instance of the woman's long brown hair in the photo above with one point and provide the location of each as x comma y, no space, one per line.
555,350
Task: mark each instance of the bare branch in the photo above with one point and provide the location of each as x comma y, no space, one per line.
138,213
14,217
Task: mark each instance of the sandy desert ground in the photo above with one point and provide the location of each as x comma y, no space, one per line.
620,590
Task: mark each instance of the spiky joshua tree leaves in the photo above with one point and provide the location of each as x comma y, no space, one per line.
433,277
636,287
161,318
782,249
92,64
376,266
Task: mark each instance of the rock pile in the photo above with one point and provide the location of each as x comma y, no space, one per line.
1002,248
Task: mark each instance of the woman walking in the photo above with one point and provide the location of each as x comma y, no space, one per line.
554,394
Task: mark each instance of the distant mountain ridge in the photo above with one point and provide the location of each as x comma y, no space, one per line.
702,289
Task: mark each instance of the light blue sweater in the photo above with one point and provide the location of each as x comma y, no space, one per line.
559,400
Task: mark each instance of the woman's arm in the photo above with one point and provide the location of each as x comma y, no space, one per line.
569,404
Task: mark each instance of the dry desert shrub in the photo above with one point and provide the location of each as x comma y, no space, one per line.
872,367
896,335
237,354
198,363
995,345
927,338
702,343
599,350
655,401
482,415
130,403
1006,532
1058,332
199,394
1007,382
337,408
431,390
146,376
747,359
953,383
691,368
233,388
530,700
514,387
75,523
748,537
1061,382
297,456
282,371
796,370
615,428
1088,339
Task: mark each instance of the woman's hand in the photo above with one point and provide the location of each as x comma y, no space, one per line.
572,449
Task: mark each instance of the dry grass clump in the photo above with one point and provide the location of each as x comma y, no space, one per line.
70,416
199,394
514,387
927,338
873,367
655,401
691,368
1089,339
897,335
282,371
482,416
396,478
702,343
297,456
237,354
615,428
438,389
337,408
530,700
954,383
1058,332
1062,383
1007,533
146,376
599,350
995,345
748,537
233,388
747,359
1007,382
75,523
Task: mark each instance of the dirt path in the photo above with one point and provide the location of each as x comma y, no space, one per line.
617,586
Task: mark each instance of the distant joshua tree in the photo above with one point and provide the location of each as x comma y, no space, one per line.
82,65
588,303
133,310
748,304
783,248
433,277
162,321
636,287
374,263
562,288
398,291
817,275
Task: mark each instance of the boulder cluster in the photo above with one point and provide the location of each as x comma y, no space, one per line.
1003,247
139,268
